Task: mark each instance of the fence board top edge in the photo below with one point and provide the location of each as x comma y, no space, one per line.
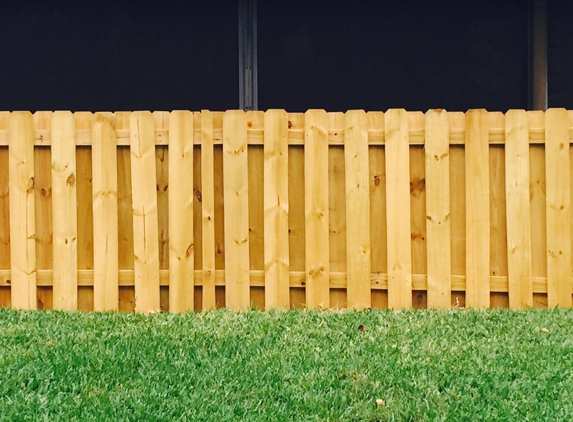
456,120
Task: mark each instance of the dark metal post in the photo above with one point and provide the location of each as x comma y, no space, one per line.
538,55
248,90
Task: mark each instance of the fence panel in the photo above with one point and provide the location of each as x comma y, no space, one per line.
180,211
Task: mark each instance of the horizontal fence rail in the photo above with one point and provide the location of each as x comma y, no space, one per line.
195,210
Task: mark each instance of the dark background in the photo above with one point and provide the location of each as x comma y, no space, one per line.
336,55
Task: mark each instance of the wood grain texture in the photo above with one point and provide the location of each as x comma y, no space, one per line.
438,232
357,210
105,212
64,211
144,205
316,209
477,209
236,198
181,250
276,210
398,210
22,211
208,210
558,185
518,209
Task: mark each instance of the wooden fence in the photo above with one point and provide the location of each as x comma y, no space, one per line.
188,210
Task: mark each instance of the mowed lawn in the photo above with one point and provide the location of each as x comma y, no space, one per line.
456,365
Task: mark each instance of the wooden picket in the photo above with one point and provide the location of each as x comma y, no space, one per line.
105,211
398,210
477,209
437,160
22,211
64,211
316,209
236,196
193,210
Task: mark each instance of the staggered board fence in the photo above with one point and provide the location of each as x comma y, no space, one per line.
196,210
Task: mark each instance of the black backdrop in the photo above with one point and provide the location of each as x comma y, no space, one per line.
336,55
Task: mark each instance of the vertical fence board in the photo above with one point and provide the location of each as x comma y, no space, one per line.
208,210
181,250
276,213
22,211
558,208
5,292
378,235
316,209
296,208
357,210
437,162
44,226
105,211
64,211
477,209
256,169
84,121
518,209
145,219
398,210
236,198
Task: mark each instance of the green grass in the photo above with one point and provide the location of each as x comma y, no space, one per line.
300,365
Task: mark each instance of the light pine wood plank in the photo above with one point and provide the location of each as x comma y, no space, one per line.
256,170
398,210
64,211
181,251
276,210
236,199
337,207
208,210
518,209
105,212
144,205
477,209
316,209
22,211
438,233
357,210
557,168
